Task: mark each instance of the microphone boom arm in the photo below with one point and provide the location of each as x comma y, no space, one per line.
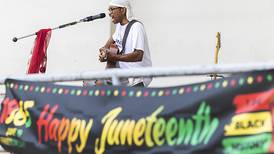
102,15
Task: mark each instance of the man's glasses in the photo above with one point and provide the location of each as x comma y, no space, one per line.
113,8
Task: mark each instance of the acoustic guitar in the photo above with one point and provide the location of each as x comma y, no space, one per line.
113,49
109,65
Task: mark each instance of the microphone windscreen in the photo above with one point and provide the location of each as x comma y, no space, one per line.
102,15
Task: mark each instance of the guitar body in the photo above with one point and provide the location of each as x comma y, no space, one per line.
113,49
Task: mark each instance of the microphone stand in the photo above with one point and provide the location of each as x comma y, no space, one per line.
15,39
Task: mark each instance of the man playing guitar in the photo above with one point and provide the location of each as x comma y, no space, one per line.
133,52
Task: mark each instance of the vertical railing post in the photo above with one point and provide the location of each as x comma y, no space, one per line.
115,80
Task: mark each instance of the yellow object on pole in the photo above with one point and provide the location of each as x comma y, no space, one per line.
218,46
217,49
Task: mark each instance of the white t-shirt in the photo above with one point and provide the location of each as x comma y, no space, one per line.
137,39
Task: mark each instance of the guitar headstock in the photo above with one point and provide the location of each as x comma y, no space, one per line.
218,43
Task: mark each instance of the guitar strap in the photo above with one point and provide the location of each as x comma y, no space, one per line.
126,35
124,81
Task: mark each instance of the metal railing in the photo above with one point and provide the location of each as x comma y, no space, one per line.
115,74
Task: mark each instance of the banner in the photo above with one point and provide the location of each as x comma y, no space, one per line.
230,115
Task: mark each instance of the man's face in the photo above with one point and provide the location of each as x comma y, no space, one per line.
116,14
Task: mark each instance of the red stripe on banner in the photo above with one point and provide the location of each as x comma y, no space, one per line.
254,102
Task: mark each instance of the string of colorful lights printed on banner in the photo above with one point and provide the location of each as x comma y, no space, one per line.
250,80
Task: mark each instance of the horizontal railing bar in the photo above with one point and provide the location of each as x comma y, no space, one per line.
146,72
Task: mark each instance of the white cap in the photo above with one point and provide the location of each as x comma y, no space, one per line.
123,3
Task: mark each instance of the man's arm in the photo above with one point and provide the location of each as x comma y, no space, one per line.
135,56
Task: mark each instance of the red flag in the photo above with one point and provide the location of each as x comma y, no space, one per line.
38,60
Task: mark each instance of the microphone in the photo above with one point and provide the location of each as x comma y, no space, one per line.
90,18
